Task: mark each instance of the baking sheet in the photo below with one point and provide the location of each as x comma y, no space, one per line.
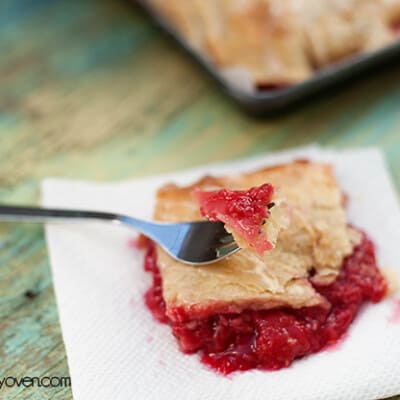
269,101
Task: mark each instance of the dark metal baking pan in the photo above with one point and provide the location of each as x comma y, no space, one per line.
268,101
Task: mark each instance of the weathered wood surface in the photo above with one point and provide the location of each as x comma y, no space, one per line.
92,89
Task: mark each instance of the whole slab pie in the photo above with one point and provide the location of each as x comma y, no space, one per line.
263,309
281,42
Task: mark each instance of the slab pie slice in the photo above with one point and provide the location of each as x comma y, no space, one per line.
264,311
313,245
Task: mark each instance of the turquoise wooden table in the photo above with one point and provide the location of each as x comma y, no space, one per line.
92,89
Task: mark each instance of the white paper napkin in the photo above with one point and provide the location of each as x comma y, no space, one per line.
117,351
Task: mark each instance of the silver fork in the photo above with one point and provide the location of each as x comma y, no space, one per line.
194,243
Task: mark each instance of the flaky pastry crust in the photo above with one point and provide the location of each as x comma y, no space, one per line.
314,244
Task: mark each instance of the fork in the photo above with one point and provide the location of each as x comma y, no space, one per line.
193,243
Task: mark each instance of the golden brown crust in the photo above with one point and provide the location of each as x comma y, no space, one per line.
281,41
317,239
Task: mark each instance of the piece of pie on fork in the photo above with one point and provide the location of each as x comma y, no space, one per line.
265,309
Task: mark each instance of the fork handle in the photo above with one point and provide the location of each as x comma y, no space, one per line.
156,231
37,214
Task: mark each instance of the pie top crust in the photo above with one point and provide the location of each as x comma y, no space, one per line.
313,246
281,42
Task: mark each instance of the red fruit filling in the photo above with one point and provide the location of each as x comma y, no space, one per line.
272,339
264,87
396,27
243,211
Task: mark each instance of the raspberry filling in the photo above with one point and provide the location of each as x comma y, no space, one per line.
396,27
243,211
265,87
272,339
